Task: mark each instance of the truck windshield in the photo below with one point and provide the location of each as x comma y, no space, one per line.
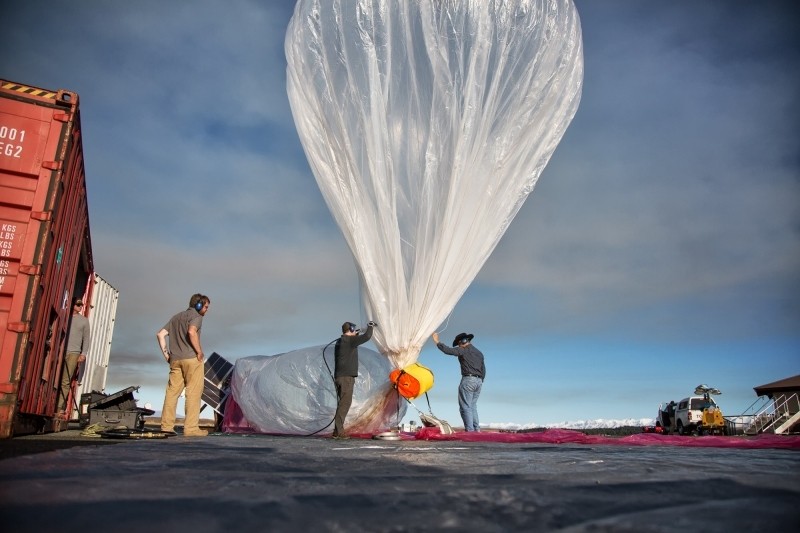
702,403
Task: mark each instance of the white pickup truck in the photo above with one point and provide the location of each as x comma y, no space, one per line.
695,415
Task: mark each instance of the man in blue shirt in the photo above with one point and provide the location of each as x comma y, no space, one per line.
473,371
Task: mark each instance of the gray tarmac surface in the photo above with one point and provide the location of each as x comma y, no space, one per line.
265,483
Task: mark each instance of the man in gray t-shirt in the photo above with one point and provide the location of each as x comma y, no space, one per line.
77,345
180,345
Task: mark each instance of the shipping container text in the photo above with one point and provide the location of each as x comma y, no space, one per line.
11,134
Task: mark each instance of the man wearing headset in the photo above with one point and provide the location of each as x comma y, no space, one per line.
346,371
184,353
472,373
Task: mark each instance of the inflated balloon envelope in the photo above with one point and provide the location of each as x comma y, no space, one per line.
294,394
426,124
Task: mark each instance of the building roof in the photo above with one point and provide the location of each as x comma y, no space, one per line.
791,384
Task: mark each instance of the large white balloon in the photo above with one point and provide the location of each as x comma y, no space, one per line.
427,123
294,393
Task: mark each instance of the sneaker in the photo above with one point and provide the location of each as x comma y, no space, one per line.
196,433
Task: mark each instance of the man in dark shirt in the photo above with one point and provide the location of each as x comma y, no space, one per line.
346,356
472,373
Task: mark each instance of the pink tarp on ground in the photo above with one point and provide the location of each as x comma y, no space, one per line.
235,422
568,436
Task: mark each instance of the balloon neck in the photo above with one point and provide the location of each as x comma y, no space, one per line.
403,357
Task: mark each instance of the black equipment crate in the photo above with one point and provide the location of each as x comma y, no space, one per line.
118,409
115,418
87,399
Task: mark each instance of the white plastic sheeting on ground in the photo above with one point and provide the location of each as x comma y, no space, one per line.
294,393
427,124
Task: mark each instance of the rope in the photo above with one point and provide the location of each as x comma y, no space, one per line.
334,388
443,425
94,430
123,432
414,406
446,322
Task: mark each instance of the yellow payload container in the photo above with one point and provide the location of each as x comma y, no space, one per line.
712,422
412,381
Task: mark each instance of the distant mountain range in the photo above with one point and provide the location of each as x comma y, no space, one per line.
600,423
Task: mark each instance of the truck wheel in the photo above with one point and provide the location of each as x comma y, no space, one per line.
680,428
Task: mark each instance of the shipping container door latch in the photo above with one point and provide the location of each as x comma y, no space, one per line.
31,270
19,327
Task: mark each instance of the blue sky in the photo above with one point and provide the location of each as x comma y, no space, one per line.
659,250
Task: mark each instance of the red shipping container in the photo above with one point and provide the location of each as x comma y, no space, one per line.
45,250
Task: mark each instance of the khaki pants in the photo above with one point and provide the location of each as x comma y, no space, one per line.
70,366
188,374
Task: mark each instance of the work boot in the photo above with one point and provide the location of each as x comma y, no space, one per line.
341,437
196,433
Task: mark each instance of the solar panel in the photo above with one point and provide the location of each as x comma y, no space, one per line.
216,383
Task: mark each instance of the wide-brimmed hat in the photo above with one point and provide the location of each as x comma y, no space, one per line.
461,337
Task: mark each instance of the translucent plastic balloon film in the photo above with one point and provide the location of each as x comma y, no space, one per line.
294,394
426,124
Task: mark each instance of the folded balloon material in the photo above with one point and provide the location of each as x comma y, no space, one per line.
294,394
426,124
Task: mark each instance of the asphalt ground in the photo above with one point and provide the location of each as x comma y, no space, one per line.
33,444
74,437
267,483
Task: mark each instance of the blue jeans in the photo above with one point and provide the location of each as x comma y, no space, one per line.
468,391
